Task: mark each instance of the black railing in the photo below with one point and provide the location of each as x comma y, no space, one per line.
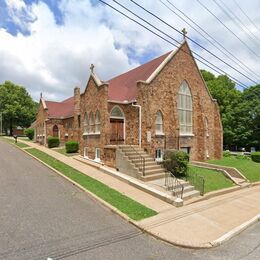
197,181
141,160
173,184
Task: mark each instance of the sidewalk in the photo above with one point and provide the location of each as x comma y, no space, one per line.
195,225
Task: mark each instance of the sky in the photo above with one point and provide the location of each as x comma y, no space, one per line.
48,46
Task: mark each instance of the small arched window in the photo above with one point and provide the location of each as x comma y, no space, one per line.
97,122
91,123
116,112
86,123
185,109
159,123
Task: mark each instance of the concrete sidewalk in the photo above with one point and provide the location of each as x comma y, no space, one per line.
203,224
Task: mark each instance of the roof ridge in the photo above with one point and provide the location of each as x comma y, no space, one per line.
141,65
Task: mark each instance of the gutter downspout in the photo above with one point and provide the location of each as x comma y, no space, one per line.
140,123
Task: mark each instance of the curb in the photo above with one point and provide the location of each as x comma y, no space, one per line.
235,231
95,197
227,236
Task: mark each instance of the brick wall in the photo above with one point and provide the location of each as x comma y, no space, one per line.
161,94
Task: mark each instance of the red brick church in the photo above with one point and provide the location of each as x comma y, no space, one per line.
162,104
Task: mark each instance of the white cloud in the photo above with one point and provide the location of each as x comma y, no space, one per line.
54,58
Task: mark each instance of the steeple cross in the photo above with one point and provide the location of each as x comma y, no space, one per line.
184,32
92,68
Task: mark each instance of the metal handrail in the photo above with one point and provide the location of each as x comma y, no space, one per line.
173,184
142,160
197,181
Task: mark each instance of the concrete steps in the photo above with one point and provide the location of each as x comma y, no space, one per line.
154,171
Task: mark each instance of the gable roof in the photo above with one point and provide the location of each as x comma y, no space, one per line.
62,109
123,87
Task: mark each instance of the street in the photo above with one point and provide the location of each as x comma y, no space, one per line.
43,215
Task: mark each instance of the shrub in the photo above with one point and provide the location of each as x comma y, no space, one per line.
176,162
53,141
242,157
226,153
29,132
255,156
72,146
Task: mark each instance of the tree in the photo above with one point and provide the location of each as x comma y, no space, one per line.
228,98
250,107
16,106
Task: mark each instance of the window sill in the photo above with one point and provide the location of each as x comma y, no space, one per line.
159,134
158,159
187,135
87,134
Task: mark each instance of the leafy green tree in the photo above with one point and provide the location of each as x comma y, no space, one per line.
228,97
250,109
16,106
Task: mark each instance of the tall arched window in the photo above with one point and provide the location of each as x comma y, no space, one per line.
86,126
159,123
97,122
91,123
185,109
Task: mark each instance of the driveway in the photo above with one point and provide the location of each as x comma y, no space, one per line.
42,215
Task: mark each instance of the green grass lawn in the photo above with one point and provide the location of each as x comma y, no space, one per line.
21,145
250,169
24,138
62,150
12,141
214,180
131,208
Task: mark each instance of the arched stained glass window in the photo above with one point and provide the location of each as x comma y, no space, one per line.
117,112
185,109
97,122
91,123
86,125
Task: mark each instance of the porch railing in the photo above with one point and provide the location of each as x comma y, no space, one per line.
140,160
173,184
197,181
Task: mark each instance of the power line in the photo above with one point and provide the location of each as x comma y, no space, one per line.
214,68
237,20
213,41
249,19
228,28
186,37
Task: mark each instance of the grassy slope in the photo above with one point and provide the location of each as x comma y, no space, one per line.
126,205
214,180
250,169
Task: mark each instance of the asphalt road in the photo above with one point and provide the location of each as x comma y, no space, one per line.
42,215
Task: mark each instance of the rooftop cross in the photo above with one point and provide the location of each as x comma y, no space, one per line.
184,32
92,68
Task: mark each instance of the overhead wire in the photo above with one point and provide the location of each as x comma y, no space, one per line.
247,16
246,45
212,40
175,29
201,59
236,21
